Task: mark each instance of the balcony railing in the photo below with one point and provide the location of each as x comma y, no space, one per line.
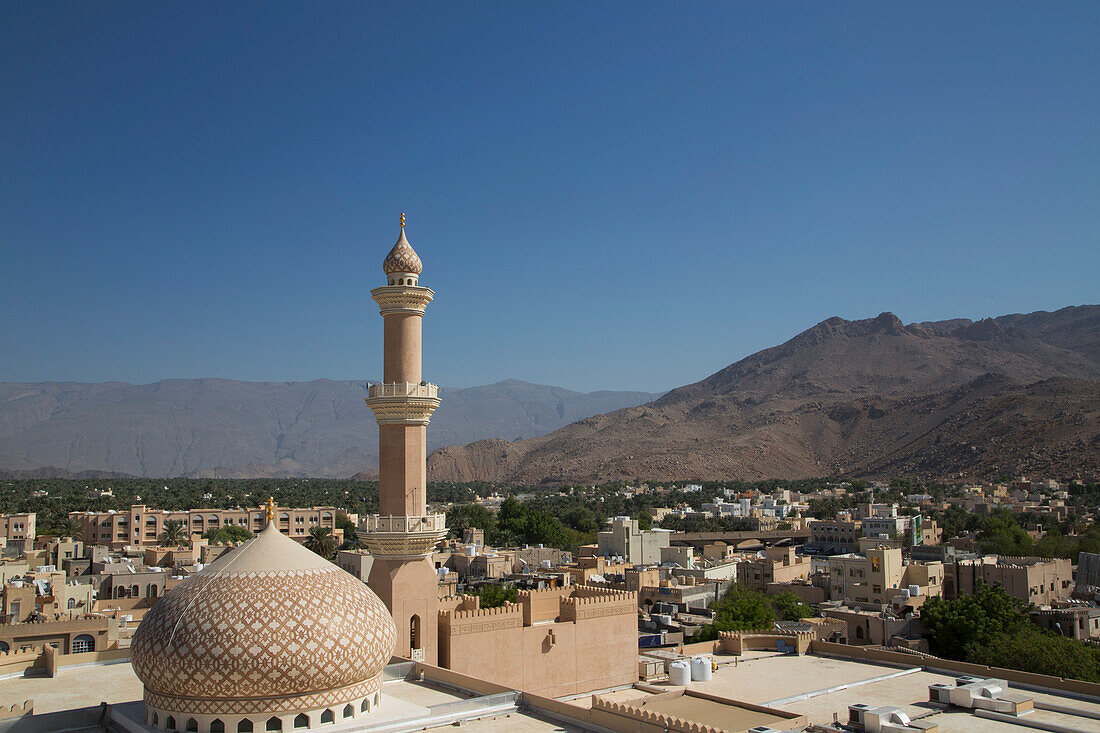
403,389
424,523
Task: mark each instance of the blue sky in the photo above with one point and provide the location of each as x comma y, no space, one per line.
605,196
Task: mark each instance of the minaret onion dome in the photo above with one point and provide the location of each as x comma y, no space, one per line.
402,265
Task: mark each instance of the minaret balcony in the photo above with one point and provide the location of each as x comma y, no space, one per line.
403,403
403,389
407,299
402,536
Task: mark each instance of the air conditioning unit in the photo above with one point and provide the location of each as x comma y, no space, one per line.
939,693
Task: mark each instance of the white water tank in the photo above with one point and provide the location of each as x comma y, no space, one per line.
914,591
664,619
700,669
679,673
471,550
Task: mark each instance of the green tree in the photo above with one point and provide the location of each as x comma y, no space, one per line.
741,609
975,619
322,541
461,517
173,535
351,536
229,533
68,527
493,595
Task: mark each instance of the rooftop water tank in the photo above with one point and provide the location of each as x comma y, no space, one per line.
471,550
679,674
545,565
914,590
700,669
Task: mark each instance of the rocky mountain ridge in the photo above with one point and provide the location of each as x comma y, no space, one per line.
1011,394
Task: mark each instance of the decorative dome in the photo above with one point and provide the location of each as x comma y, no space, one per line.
267,628
402,258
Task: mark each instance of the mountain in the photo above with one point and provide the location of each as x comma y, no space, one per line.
870,397
227,428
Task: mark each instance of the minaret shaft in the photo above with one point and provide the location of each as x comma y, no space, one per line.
402,535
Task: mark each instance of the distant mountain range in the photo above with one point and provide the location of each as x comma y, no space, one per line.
1008,395
226,428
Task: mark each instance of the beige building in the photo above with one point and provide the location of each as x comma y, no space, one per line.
881,577
69,636
637,546
141,526
779,565
836,535
17,527
1036,580
544,642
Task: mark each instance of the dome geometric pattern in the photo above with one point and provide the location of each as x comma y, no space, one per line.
402,258
245,632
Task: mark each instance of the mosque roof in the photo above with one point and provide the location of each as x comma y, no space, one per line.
402,258
268,619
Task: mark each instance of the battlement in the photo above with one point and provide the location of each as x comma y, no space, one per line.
505,610
17,710
660,720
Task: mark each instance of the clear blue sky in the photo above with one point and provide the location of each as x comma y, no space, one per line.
605,196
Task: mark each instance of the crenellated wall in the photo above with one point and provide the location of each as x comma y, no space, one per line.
556,641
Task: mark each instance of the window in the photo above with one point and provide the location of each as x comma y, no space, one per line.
364,706
274,724
83,643
217,726
71,603
170,723
301,721
328,717
349,711
414,632
156,720
245,726
192,725
4,648
151,592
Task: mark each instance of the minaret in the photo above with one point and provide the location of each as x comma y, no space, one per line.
402,536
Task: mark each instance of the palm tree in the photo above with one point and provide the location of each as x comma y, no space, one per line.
173,535
321,541
69,527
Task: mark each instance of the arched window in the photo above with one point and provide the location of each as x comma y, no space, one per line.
328,716
135,592
4,646
71,603
83,643
151,592
245,726
274,724
349,711
192,725
301,720
156,720
365,706
414,632
859,632
170,723
120,592
217,726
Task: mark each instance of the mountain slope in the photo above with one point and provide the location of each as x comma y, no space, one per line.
842,397
221,427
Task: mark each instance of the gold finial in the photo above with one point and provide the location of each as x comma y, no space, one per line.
402,220
271,509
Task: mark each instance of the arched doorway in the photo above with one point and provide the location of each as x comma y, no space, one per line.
414,632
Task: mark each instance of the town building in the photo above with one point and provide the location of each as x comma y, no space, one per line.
17,527
1033,580
637,546
778,565
142,526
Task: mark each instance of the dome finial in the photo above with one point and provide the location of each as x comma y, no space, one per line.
270,509
402,219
